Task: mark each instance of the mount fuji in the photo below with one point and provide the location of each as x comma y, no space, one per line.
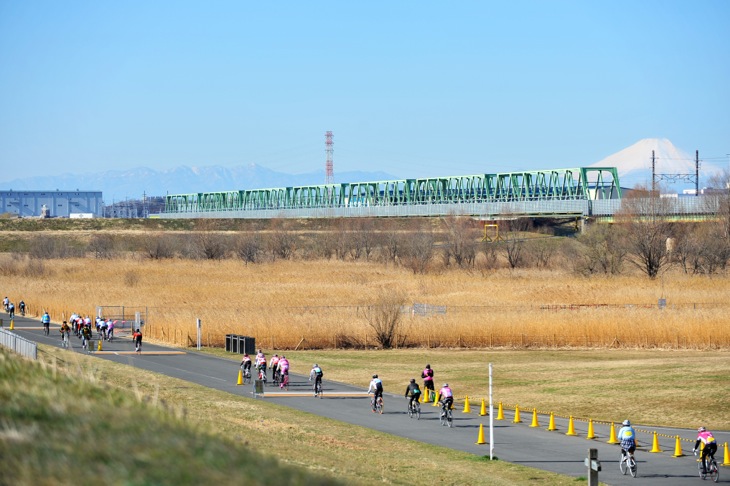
634,165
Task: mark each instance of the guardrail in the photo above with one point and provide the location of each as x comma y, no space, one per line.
20,345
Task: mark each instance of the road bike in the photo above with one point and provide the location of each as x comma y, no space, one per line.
377,405
276,377
627,463
318,388
46,328
284,385
246,375
414,409
447,416
711,470
262,374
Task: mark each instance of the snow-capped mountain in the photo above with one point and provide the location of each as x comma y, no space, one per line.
634,164
118,185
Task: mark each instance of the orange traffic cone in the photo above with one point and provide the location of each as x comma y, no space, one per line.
534,418
467,408
483,410
240,377
500,412
551,425
480,437
590,434
677,448
517,415
655,444
571,427
726,461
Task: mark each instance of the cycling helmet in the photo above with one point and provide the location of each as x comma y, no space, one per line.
446,385
428,366
626,423
413,380
315,365
701,429
375,376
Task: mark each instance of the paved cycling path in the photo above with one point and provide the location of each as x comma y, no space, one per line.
517,443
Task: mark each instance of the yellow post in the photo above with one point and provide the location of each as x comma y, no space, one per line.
612,438
571,427
655,444
726,460
517,415
590,434
240,377
534,418
98,346
467,408
480,437
551,425
677,448
483,409
12,324
500,412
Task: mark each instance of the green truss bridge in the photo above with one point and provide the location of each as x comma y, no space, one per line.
546,193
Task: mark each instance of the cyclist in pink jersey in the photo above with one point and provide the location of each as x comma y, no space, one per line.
705,437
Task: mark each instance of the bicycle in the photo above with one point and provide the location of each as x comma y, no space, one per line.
377,404
318,388
46,328
414,409
246,376
711,469
284,385
627,463
447,416
276,377
262,375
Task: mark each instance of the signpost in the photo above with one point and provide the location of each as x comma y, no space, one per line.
199,333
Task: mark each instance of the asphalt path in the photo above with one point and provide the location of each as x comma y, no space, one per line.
518,443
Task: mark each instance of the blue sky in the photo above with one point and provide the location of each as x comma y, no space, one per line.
413,88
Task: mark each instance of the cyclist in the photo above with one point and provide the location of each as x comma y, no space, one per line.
413,393
261,363
427,376
110,330
21,307
446,398
6,301
274,365
316,373
137,340
65,334
11,310
376,388
704,436
85,337
627,439
246,364
46,320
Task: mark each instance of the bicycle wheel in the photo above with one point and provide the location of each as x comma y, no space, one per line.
380,405
623,464
410,411
442,417
418,410
632,467
449,418
714,472
699,468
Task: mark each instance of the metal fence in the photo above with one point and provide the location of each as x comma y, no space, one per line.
20,345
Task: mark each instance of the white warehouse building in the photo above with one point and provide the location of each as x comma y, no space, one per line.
52,204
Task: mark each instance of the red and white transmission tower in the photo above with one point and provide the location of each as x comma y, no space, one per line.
329,177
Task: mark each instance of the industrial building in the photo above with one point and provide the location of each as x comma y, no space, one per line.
52,204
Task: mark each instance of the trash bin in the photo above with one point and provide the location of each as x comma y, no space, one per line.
248,345
228,342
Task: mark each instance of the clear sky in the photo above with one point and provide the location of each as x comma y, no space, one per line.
414,88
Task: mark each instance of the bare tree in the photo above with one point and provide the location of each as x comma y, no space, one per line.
514,249
282,242
603,250
461,240
643,216
158,246
418,251
102,246
385,318
248,247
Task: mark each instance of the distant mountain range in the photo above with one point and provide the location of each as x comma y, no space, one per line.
633,163
118,185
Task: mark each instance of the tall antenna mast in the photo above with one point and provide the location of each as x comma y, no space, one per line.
329,177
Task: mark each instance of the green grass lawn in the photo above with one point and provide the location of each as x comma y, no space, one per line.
75,419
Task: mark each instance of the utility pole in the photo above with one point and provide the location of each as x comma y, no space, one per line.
697,173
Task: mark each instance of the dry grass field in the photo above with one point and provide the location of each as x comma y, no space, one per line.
323,304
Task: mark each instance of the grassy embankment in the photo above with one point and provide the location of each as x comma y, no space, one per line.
74,419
